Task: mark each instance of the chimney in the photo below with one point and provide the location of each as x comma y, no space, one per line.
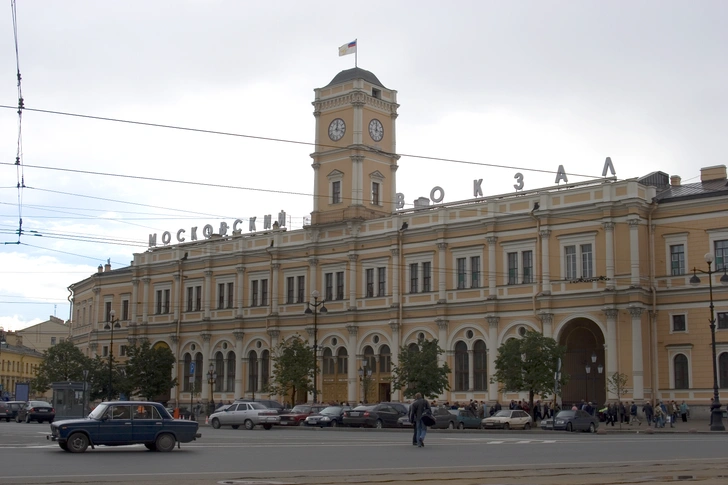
100,269
107,267
675,181
716,172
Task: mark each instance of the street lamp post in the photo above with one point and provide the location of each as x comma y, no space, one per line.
716,416
111,325
211,379
316,304
365,376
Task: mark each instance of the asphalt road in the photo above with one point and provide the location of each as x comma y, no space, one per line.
337,456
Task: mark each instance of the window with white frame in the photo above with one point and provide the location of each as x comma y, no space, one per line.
577,255
722,319
107,309
335,186
105,351
377,180
676,246
334,283
193,297
162,299
678,323
518,260
375,278
718,247
225,292
679,365
295,286
125,308
259,289
467,267
419,272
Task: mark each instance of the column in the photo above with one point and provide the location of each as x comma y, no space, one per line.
611,364
311,334
545,270
393,178
312,273
609,245
96,306
240,293
205,365
492,276
274,335
357,182
547,320
634,252
275,269
394,325
174,392
492,353
441,272
351,368
352,281
638,392
442,326
207,300
176,295
134,299
396,272
316,166
238,334
145,300
471,370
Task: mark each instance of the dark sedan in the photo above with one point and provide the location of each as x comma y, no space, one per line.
331,416
573,421
382,415
443,418
124,423
35,411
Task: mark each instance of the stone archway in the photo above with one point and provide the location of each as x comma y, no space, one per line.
583,340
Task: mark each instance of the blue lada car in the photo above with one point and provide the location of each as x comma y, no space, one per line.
118,423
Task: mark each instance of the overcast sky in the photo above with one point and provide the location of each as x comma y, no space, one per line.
526,84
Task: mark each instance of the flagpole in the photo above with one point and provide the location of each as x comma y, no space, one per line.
356,54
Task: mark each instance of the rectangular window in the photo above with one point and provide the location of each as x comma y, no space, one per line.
677,260
290,289
125,310
198,298
220,295
159,302
375,193
336,192
263,292
339,285
107,310
426,277
678,323
722,320
301,289
381,280
512,268
587,267
460,263
329,286
475,271
370,282
254,293
414,273
721,255
570,254
190,297
122,350
230,293
527,259
53,341
105,350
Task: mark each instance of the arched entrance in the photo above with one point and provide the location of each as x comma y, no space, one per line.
164,397
584,342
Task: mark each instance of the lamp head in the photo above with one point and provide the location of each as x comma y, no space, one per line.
724,278
369,372
324,310
308,311
360,372
694,280
112,313
315,294
594,357
709,258
600,368
588,369
212,367
364,362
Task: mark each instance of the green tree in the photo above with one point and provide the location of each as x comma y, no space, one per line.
529,364
419,371
148,370
293,369
98,379
62,362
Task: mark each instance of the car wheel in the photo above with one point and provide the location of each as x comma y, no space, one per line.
506,426
249,424
235,426
334,423
63,446
450,425
592,428
150,446
215,423
569,427
77,443
165,442
379,424
267,426
27,418
527,426
461,425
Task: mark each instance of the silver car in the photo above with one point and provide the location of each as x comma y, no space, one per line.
249,414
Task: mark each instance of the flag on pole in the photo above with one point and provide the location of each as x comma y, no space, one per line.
347,49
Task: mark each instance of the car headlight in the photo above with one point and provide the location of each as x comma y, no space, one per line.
325,418
560,421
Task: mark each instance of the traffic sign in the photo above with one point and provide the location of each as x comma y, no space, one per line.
192,368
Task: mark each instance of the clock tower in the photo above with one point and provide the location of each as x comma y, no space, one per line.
355,161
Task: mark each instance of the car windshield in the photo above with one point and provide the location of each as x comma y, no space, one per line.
301,409
566,414
503,414
363,408
257,405
98,411
335,410
39,404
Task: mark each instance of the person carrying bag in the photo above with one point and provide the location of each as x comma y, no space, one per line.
420,415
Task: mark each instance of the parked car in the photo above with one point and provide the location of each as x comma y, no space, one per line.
465,418
183,413
35,411
380,415
249,414
573,421
269,403
329,416
124,423
297,416
443,418
508,419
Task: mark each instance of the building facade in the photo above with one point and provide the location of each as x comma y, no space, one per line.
602,266
18,364
44,335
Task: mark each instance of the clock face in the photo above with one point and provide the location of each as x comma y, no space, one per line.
337,128
376,130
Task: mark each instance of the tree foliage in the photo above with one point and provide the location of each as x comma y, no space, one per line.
617,383
293,370
419,371
529,364
62,362
149,370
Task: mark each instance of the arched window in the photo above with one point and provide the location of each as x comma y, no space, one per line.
220,371
252,371
681,372
480,366
230,372
199,370
385,359
413,347
186,383
723,370
342,361
329,362
370,359
461,366
265,362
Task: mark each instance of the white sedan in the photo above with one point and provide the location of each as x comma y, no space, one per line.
508,419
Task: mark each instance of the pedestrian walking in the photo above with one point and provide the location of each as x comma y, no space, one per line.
684,412
633,415
649,412
418,409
